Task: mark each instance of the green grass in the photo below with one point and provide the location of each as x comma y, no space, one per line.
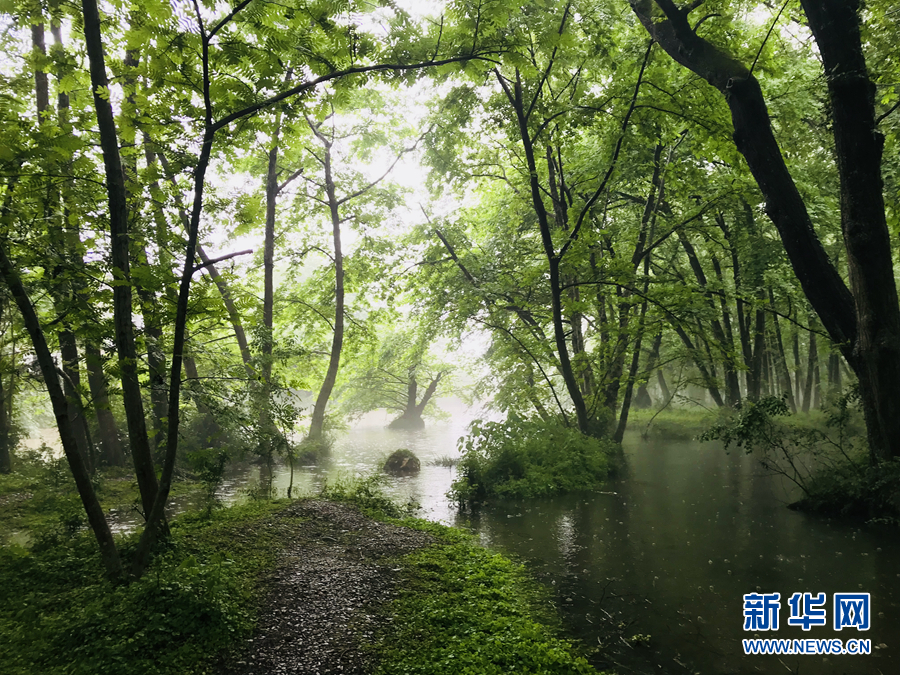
59,616
465,610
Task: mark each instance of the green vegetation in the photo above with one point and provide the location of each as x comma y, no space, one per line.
58,615
39,499
528,458
826,457
462,609
682,424
467,611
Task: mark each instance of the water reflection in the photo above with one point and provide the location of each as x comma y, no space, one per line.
689,531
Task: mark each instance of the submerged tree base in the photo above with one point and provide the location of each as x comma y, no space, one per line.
407,422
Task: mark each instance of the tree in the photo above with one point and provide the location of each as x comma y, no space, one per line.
864,321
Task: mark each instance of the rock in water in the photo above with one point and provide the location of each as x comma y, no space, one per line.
402,463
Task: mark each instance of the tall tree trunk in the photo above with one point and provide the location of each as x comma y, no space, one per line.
811,369
61,288
121,264
110,445
865,324
516,100
96,518
784,376
5,417
234,316
643,399
755,374
318,417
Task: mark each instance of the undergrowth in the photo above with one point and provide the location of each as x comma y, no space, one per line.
60,616
826,457
527,458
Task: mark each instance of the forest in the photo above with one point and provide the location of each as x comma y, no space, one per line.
235,227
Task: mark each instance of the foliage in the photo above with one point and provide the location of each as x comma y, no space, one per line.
366,493
40,500
529,458
829,463
469,611
57,614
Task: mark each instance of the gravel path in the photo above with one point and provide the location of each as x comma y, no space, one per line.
323,598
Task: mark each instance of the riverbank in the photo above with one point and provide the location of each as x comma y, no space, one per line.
310,586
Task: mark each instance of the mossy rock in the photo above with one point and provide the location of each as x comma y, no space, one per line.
402,462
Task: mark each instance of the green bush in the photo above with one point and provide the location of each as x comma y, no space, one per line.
826,457
527,458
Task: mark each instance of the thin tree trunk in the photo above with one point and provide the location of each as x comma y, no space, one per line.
110,445
811,368
234,316
96,518
318,417
5,417
121,264
784,376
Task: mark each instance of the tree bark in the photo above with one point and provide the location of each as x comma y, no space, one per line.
96,518
515,98
318,417
119,248
858,147
811,368
110,444
784,375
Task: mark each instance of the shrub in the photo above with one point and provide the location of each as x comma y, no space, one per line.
527,458
830,465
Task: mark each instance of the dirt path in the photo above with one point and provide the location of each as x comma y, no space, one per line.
323,599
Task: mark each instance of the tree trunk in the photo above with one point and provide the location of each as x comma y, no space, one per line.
784,376
858,144
110,445
337,343
515,98
96,518
755,374
119,247
5,416
811,370
643,399
234,316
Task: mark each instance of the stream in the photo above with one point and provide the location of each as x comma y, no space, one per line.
667,550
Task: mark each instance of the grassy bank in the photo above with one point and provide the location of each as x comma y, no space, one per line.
466,610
